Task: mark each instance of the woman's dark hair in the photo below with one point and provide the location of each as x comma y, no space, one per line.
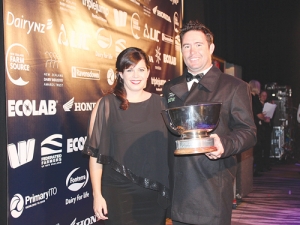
127,58
195,25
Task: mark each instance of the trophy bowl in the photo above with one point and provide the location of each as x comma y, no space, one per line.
193,123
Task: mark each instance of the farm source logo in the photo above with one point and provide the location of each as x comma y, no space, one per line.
16,65
75,181
22,154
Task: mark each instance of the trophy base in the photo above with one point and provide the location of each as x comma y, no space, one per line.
194,146
190,151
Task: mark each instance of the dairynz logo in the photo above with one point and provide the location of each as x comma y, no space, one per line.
27,25
161,14
85,73
18,203
51,149
31,108
79,106
16,65
76,181
22,154
87,221
120,18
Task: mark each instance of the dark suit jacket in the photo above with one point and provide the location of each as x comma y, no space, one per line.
203,188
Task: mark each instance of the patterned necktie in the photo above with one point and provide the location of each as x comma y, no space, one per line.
190,77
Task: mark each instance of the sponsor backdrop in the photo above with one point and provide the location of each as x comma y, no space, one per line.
59,59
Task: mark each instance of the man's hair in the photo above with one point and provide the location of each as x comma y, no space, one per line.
195,25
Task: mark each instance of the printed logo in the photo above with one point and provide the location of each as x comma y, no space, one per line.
161,14
171,97
158,57
176,22
30,108
75,144
22,154
111,76
120,18
169,59
120,46
74,39
174,2
28,25
104,39
167,38
85,73
16,65
68,105
135,26
87,221
51,149
157,83
78,106
94,5
53,60
16,205
75,182
151,34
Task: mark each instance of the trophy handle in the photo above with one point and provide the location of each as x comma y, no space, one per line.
168,122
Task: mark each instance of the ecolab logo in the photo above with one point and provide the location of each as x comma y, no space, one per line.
21,23
169,59
31,108
161,14
75,144
22,154
74,181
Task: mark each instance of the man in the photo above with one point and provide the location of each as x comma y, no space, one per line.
203,183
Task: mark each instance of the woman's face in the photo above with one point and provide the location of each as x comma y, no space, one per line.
135,77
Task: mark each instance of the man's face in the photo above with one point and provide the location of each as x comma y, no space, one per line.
196,52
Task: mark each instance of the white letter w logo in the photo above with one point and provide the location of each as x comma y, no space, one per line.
22,155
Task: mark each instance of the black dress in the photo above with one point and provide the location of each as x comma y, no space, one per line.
132,146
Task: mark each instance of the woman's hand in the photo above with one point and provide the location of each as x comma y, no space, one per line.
100,208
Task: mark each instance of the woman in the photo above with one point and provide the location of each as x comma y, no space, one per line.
258,119
127,144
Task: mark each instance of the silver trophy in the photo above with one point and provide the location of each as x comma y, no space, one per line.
193,123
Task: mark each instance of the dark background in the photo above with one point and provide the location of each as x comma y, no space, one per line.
261,36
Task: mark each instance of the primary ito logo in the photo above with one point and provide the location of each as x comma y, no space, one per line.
77,180
20,154
18,203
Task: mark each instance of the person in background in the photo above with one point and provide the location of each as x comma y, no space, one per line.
202,184
127,145
267,127
258,115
